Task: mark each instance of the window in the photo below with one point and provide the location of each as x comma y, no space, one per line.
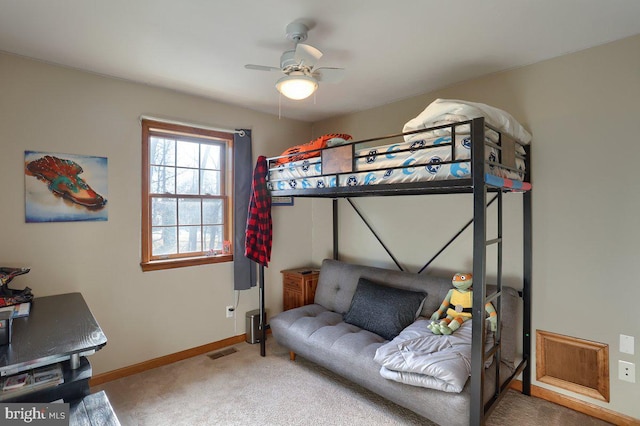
186,196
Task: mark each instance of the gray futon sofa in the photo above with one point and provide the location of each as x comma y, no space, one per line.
319,333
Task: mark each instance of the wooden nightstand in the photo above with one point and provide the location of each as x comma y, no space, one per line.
298,287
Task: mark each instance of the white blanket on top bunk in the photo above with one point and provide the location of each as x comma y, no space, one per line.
420,358
448,111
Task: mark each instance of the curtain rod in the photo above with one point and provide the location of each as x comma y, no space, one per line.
184,123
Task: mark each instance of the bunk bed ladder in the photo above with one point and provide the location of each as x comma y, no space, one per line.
478,410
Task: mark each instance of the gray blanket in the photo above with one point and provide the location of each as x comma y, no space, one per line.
420,358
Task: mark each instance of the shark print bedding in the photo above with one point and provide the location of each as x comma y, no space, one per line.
415,160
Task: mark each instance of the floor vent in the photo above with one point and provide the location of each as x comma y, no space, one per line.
222,353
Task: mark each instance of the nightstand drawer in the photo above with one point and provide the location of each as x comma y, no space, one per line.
293,283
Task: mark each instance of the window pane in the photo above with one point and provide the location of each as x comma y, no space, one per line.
187,181
162,151
190,239
164,241
210,182
210,157
188,154
163,211
213,236
188,211
212,212
162,180
185,196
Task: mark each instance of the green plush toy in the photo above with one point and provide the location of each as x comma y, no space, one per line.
457,305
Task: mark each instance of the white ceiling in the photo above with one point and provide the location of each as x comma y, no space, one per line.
391,49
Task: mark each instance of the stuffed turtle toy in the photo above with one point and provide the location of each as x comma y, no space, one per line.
457,306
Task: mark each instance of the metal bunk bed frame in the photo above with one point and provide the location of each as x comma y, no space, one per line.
476,185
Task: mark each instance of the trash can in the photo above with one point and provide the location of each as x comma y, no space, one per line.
254,334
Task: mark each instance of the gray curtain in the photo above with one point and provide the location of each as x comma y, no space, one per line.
244,270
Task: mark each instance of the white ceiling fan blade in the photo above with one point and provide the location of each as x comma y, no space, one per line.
329,75
307,55
261,67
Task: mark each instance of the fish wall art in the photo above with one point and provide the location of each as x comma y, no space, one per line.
65,187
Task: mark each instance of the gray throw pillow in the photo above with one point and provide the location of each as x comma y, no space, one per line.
383,310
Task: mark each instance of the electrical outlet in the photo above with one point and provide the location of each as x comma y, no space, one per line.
627,371
230,311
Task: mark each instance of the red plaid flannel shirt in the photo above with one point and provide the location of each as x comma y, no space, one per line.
259,227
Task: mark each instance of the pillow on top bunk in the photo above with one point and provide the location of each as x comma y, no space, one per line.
448,111
309,149
384,310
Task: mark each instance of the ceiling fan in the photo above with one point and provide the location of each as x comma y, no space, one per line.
299,66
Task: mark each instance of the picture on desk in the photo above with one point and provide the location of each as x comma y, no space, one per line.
65,187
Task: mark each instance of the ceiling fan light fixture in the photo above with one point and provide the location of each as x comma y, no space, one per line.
297,86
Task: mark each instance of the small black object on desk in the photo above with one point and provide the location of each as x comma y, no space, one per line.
10,296
6,322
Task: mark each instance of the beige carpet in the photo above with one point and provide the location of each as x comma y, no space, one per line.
243,388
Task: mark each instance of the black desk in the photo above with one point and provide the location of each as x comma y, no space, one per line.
59,328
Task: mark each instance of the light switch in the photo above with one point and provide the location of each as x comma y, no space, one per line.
627,344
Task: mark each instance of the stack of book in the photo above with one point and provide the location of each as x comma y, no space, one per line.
30,381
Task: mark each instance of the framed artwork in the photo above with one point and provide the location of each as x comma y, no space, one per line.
64,187
281,201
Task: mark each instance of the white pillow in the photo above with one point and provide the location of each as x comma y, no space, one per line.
447,111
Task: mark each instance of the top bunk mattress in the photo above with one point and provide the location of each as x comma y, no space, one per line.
424,152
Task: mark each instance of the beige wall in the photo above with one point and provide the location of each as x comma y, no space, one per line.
583,112
144,315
